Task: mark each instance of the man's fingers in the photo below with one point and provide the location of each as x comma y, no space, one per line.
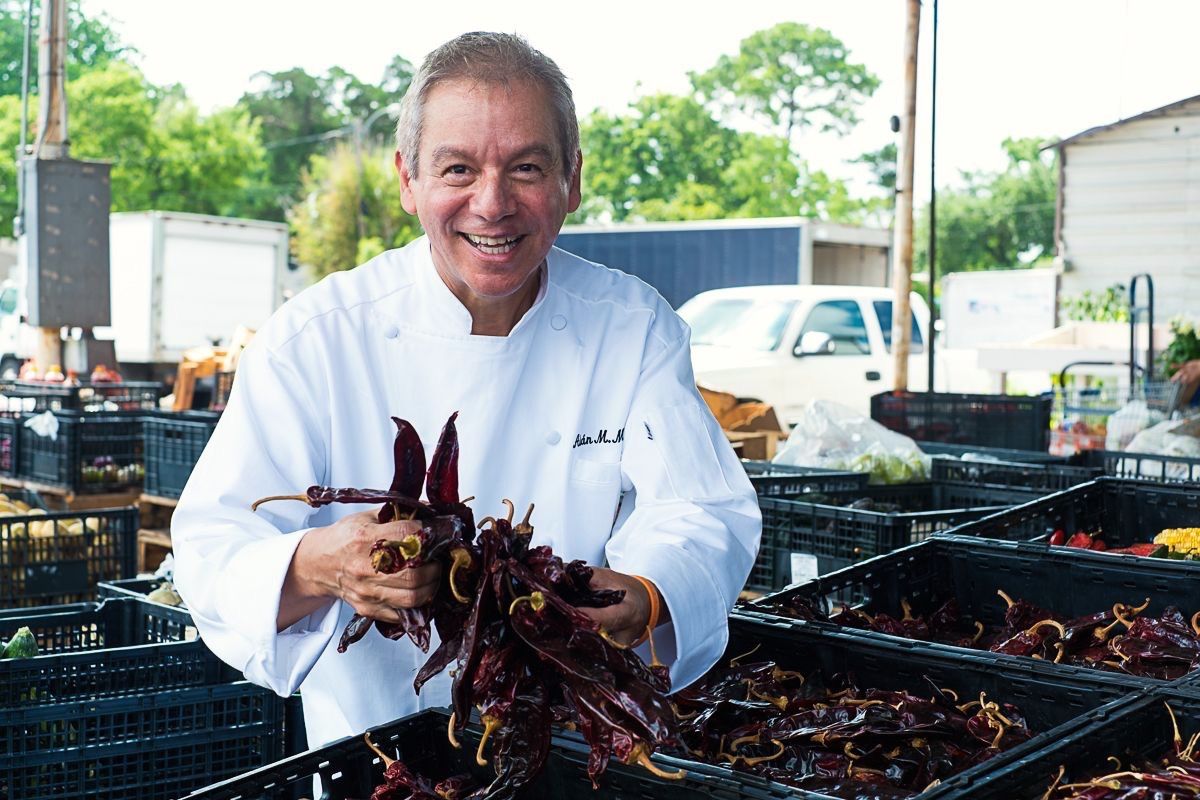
412,577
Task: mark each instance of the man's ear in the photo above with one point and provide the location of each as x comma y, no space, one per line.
407,198
574,192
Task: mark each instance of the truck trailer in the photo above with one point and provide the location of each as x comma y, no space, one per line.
682,259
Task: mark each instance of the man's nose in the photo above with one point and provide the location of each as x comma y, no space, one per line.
494,198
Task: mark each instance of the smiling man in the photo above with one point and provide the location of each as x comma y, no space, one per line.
574,389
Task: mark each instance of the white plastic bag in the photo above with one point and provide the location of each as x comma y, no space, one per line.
44,424
1130,420
1160,441
832,436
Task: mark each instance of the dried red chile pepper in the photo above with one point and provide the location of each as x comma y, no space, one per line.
849,743
447,525
1175,776
1118,639
507,616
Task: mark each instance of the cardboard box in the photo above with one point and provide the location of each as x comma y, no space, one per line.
753,428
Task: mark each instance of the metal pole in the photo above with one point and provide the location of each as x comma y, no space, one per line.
933,314
19,220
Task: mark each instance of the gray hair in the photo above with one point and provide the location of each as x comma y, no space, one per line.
490,58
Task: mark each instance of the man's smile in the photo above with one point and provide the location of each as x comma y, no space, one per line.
493,245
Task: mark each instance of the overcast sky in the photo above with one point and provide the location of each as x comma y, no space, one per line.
1005,67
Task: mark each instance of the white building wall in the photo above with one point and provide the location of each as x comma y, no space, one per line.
1131,204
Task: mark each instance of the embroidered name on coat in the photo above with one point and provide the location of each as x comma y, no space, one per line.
602,437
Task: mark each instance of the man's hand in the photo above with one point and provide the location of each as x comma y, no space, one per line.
1188,373
335,562
626,621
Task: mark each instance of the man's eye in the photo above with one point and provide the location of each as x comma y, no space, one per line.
529,168
457,169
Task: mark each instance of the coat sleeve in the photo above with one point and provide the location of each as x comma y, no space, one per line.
695,526
230,562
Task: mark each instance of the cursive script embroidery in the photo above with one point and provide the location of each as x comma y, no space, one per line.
601,437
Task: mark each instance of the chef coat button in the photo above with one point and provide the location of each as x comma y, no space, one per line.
553,437
558,322
391,332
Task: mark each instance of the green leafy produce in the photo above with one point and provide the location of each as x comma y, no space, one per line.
21,645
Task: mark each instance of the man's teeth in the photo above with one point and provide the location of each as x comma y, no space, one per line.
493,245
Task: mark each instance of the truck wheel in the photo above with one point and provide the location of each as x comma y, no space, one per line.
9,363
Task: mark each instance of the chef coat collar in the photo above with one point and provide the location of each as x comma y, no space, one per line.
442,313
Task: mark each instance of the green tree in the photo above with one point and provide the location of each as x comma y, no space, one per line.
996,220
91,43
335,190
297,119
667,158
791,75
663,143
302,114
165,155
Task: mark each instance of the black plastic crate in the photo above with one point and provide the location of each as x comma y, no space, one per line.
29,497
60,556
1050,700
137,588
145,747
92,453
1044,478
1140,728
37,396
1125,511
783,480
91,651
1141,466
971,571
971,452
989,420
173,444
348,769
801,540
9,442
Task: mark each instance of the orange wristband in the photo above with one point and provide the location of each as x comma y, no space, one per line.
655,608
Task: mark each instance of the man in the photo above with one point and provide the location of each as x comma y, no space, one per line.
575,392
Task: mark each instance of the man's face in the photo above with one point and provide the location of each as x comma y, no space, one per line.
491,190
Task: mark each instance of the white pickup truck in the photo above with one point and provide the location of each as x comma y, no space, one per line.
785,345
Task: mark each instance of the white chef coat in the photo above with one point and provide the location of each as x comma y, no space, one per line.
587,405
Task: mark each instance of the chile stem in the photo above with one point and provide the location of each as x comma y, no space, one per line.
301,497
642,756
490,724
459,559
450,732
384,757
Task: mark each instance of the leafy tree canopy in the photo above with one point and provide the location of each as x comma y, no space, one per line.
340,193
997,220
91,42
165,154
792,76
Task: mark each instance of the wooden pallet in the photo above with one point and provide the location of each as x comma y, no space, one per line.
58,498
154,535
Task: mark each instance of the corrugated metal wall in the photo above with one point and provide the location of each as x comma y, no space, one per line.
1131,204
682,263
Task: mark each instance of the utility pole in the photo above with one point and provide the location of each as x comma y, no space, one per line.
51,143
64,209
903,249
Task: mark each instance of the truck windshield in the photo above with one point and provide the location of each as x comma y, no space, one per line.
755,324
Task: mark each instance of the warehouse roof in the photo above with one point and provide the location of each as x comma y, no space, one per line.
1162,111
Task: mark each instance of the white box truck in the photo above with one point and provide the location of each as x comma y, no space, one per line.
186,280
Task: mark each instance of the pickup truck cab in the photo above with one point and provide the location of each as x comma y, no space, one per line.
785,345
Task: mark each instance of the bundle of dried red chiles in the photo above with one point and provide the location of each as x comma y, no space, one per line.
507,616
1120,639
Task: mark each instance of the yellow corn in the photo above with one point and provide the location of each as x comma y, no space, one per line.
1180,540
